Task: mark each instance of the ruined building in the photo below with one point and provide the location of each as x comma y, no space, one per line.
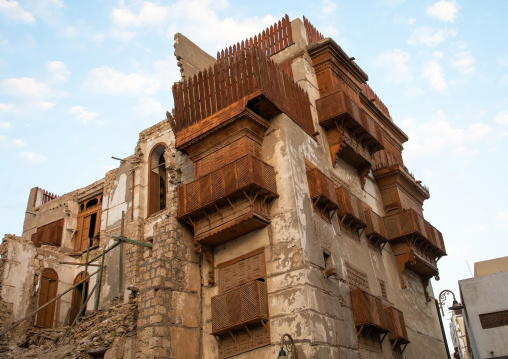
273,199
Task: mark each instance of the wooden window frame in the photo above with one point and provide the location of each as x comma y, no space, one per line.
45,317
154,207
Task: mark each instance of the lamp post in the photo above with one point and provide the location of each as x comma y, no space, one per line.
287,341
442,298
455,306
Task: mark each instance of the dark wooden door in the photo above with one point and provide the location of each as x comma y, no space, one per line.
77,293
47,292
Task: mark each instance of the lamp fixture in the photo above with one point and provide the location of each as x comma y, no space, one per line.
286,341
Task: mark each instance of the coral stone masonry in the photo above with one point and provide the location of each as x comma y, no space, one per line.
273,199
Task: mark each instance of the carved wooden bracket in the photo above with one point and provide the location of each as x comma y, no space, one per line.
402,259
363,172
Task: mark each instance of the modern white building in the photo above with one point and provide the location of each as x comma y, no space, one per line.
485,298
458,335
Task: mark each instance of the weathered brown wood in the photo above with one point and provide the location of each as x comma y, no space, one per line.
47,292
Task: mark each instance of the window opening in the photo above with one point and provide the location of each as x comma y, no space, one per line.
92,203
157,181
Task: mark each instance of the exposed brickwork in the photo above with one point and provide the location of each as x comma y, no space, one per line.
494,320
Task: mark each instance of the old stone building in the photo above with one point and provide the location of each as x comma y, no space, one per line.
273,199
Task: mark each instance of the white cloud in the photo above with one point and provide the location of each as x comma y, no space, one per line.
109,81
5,125
478,131
12,10
328,7
57,71
501,118
6,107
396,62
148,105
444,10
464,62
430,36
433,73
431,138
148,14
18,143
401,20
24,87
502,215
83,115
32,157
192,16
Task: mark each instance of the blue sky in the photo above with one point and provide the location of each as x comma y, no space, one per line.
80,79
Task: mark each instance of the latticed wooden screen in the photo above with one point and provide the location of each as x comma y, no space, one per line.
356,278
376,229
368,310
397,326
350,208
408,223
321,189
338,106
241,272
241,175
242,305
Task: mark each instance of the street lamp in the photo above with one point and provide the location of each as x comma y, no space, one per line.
287,341
442,298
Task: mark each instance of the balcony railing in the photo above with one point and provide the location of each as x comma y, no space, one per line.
322,192
410,223
376,230
397,326
339,107
368,312
243,175
238,307
246,79
351,211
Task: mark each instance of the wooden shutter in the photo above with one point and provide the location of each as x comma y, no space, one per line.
47,292
242,271
154,198
35,239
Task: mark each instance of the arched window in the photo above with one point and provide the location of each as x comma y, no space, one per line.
47,292
157,180
77,294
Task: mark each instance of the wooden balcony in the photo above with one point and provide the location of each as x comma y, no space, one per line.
351,211
375,230
368,312
244,305
229,202
337,109
409,224
247,79
397,326
322,193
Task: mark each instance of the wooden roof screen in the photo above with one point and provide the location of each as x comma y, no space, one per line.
272,40
234,178
410,223
247,79
313,35
373,97
368,311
